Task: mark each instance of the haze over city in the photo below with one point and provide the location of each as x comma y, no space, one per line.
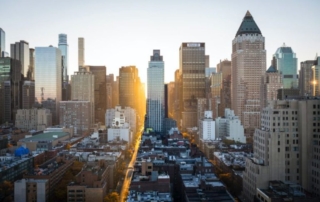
121,33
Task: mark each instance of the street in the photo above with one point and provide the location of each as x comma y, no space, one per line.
129,172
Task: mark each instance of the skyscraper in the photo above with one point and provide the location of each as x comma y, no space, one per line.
128,78
28,95
30,75
100,98
82,89
10,88
285,61
2,42
81,52
192,75
20,51
270,83
305,78
224,67
48,79
109,91
63,46
316,77
248,65
155,97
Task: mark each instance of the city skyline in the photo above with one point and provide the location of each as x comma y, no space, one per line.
111,33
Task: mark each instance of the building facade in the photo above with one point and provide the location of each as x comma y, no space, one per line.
285,61
81,52
155,97
33,119
248,65
270,83
100,98
63,46
285,147
305,78
76,114
2,42
82,89
10,89
192,79
48,77
230,127
20,51
207,127
28,94
31,190
316,77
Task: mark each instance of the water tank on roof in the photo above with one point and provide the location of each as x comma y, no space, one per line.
21,151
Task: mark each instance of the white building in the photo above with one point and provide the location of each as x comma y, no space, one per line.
207,127
230,127
126,115
33,119
122,133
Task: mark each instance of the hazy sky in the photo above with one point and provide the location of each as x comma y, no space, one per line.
120,33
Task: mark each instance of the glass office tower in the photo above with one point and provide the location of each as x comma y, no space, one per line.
285,61
155,98
2,42
63,46
48,79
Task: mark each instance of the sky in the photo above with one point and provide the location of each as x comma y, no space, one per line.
121,33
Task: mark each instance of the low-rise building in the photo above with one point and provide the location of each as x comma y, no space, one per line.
230,127
33,119
31,190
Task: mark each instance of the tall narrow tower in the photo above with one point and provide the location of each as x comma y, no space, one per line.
2,42
80,52
63,46
20,51
155,99
248,65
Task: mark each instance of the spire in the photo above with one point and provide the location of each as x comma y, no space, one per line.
248,14
248,25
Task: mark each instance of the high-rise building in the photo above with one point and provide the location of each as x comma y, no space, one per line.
285,147
82,89
28,94
81,53
216,86
115,92
30,75
76,114
48,77
2,42
109,91
20,51
248,65
10,89
316,77
63,46
270,83
305,78
224,67
192,75
128,78
207,61
100,98
285,61
171,99
155,97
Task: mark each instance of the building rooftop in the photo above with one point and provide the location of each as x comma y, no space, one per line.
49,136
248,26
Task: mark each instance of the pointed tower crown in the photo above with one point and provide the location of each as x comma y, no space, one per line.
248,25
